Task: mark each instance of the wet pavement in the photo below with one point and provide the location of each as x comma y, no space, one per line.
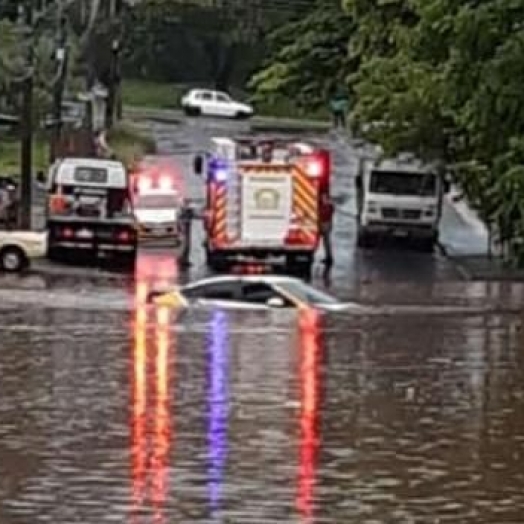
411,412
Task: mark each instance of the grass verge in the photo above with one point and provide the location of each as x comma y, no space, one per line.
156,95
10,155
125,140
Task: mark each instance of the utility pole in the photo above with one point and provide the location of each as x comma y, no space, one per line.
58,88
26,149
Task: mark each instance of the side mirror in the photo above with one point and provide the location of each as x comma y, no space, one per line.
276,302
40,177
198,165
446,186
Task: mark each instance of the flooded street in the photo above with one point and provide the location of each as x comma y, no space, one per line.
131,415
412,412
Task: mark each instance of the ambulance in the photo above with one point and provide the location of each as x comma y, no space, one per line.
262,202
157,203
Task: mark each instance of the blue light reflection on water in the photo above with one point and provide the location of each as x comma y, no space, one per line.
218,349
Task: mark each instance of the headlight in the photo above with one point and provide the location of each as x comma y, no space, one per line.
430,211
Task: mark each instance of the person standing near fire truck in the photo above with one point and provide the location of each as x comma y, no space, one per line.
326,210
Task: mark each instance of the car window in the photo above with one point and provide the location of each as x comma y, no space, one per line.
222,97
206,96
217,291
260,293
307,294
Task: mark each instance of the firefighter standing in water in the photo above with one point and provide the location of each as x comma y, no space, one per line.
326,227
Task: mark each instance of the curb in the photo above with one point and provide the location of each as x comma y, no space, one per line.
174,116
464,273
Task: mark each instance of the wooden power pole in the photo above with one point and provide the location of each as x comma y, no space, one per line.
26,121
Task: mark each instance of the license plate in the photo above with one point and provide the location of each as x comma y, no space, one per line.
84,233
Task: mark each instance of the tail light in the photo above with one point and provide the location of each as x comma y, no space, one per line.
67,233
318,165
124,236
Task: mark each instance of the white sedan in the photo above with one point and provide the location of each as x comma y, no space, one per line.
214,103
249,292
18,248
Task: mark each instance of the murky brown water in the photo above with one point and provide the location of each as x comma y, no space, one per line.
122,416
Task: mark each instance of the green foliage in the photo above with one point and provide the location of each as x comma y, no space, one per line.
441,78
449,87
308,59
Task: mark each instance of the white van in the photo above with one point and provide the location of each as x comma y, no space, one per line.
399,198
158,215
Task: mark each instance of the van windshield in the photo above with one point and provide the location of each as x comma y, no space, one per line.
402,183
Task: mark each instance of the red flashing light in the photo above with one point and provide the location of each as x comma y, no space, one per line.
144,184
124,236
165,183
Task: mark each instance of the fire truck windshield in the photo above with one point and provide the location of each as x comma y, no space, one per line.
166,201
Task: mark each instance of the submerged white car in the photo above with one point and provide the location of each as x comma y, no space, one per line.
214,103
249,292
18,248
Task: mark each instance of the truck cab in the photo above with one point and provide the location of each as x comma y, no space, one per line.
399,198
89,210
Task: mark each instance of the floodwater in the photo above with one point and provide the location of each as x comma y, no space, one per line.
112,411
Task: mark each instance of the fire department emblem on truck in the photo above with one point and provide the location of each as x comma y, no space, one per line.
267,199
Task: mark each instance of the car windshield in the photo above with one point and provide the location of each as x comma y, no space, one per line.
307,294
408,184
157,202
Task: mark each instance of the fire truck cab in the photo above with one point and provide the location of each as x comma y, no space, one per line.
262,202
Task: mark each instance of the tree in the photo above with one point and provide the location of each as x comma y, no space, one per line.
172,40
307,58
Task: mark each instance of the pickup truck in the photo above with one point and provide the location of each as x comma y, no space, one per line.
18,248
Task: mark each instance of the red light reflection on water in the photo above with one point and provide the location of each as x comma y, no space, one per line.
310,331
151,416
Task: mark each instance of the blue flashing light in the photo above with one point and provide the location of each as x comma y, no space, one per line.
218,405
219,170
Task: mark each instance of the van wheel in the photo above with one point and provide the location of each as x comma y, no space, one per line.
13,259
427,245
363,240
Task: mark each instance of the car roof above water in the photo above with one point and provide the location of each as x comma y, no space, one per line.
270,279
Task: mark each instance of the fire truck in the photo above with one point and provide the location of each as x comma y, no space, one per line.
262,202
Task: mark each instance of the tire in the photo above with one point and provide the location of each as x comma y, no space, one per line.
300,265
427,245
363,240
192,111
127,261
13,259
216,262
241,115
55,254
